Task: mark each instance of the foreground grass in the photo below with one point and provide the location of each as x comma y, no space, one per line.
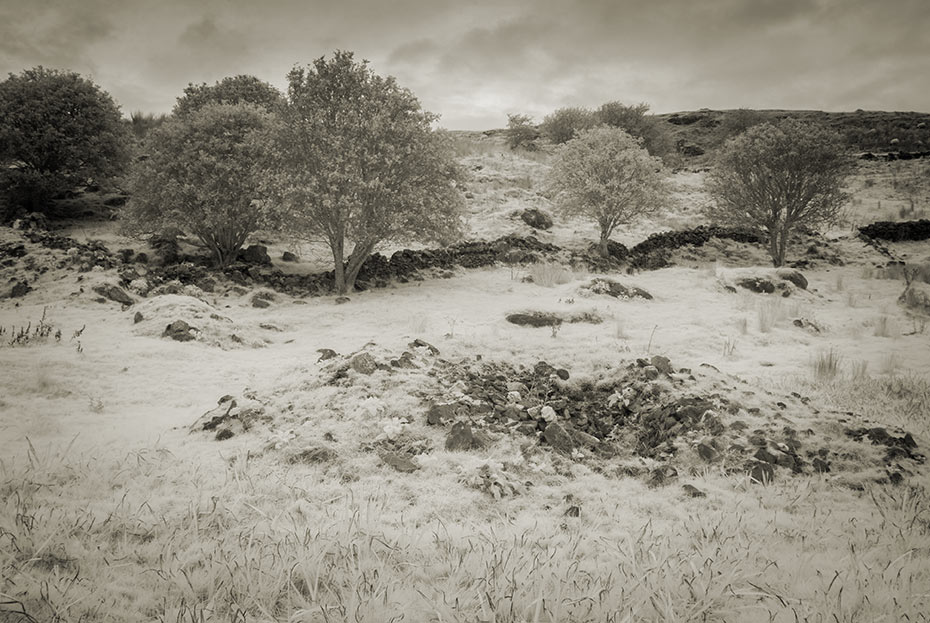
154,537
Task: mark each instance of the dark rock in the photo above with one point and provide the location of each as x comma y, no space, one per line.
661,475
418,343
762,473
808,325
537,219
20,289
179,331
582,438
535,319
616,289
260,303
757,284
562,373
460,438
342,299
557,437
363,363
223,434
897,231
114,293
762,454
693,491
793,276
405,361
651,373
325,353
439,414
707,452
287,256
255,254
138,318
662,364
399,462
573,511
820,466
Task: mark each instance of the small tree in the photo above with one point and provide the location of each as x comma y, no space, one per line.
605,175
359,164
638,124
232,90
521,132
777,178
202,176
57,131
565,123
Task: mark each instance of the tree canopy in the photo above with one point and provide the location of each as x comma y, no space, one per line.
203,176
778,177
241,89
607,176
58,131
357,164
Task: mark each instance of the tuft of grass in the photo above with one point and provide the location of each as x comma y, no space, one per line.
549,274
825,365
770,312
885,326
858,370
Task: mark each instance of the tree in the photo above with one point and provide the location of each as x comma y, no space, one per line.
358,164
521,132
240,89
605,175
203,176
58,130
565,123
638,124
777,178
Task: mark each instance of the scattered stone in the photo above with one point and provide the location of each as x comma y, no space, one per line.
342,299
325,353
820,465
757,284
807,325
651,373
562,373
418,343
260,302
535,319
179,331
762,454
557,437
573,511
537,219
255,254
114,293
794,276
661,475
363,363
399,462
223,434
137,318
287,256
405,361
582,438
616,289
693,491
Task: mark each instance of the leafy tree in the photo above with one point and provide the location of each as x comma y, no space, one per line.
563,124
605,175
521,132
203,176
638,124
240,89
58,130
358,164
779,177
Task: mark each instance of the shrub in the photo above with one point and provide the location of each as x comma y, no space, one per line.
58,130
638,124
606,176
202,176
565,123
521,133
779,178
232,90
358,164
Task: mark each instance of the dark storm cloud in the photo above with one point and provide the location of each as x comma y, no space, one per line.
473,62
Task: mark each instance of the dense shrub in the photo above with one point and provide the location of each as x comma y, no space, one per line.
565,123
232,90
58,131
638,124
521,132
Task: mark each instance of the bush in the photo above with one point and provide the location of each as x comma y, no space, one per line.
202,175
58,131
635,121
233,90
521,133
605,175
565,123
358,164
779,178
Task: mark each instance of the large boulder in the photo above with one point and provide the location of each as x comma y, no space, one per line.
537,219
114,293
179,331
255,254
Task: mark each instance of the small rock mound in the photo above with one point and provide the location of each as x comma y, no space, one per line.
537,219
615,289
551,319
897,232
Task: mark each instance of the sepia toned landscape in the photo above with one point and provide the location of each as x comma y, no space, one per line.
306,355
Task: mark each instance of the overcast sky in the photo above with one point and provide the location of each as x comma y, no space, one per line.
474,61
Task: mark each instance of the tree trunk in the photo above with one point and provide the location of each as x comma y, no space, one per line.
356,260
339,266
778,246
602,247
